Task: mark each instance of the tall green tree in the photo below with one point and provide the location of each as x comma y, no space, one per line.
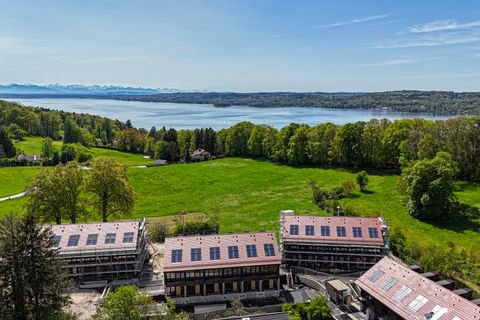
47,148
161,150
430,187
297,147
111,192
32,282
6,145
317,309
56,194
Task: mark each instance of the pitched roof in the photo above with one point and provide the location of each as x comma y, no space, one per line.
223,242
365,224
401,289
198,152
102,230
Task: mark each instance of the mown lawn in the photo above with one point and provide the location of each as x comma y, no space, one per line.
33,145
14,180
249,195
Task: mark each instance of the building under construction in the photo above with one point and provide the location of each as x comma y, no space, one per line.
102,251
332,244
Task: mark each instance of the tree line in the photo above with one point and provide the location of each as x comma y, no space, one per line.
435,102
378,143
20,121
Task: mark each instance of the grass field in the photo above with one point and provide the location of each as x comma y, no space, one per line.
15,180
33,145
249,195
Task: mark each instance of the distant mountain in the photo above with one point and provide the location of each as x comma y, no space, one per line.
77,89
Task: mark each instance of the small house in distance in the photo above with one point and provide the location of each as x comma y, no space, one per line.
160,162
28,157
200,155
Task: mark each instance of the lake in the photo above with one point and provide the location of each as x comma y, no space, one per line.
190,116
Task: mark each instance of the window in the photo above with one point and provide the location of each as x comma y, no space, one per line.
110,238
341,232
376,275
294,229
196,254
215,253
357,232
309,230
251,250
419,302
325,230
269,251
176,255
128,237
92,239
388,284
373,232
402,293
73,240
56,241
233,252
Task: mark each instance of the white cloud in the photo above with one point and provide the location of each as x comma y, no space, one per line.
96,60
334,25
443,25
431,40
398,61
353,21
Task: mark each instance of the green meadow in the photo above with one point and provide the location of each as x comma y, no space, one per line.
249,195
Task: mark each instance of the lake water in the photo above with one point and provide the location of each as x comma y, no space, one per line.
190,116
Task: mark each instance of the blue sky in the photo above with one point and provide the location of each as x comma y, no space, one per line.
257,45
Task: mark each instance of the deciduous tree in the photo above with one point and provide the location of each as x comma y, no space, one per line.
111,191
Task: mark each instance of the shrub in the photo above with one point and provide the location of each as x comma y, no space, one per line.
362,180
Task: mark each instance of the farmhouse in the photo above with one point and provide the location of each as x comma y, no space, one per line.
102,251
392,291
28,157
214,268
332,244
200,155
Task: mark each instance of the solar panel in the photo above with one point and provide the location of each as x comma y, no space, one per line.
176,255
402,293
294,229
56,241
215,253
419,302
196,254
73,240
251,250
128,237
388,284
341,232
110,238
233,252
357,232
269,251
373,232
375,276
309,230
92,239
325,231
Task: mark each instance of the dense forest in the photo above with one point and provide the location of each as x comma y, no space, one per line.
378,143
434,102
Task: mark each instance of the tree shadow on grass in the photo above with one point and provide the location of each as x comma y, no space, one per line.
469,220
367,192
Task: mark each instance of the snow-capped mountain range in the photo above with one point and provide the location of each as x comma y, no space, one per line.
77,89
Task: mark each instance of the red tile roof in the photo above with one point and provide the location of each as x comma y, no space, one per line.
452,306
223,241
101,229
333,222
